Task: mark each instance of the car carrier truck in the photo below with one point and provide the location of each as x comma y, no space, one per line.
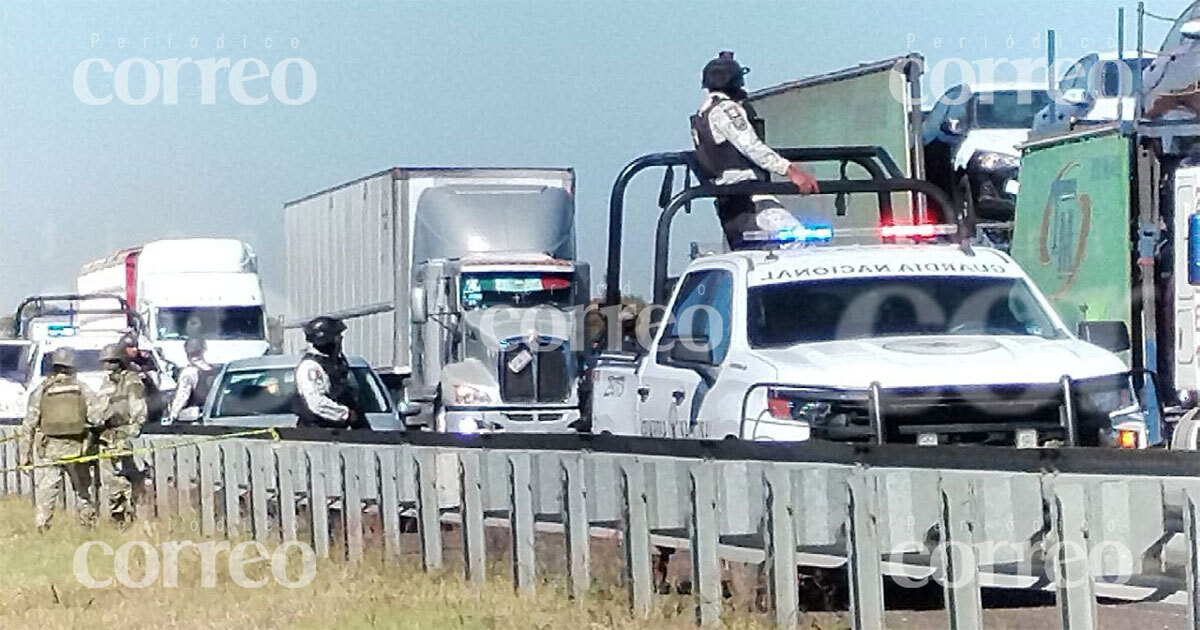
460,286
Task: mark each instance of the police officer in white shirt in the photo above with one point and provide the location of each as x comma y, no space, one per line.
195,381
729,148
325,395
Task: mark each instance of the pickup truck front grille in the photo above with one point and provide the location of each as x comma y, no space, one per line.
537,372
972,415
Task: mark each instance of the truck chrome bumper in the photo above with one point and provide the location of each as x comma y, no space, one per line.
513,420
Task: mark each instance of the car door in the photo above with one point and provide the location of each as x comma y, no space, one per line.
672,391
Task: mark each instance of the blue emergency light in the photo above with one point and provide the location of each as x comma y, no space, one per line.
798,234
1193,249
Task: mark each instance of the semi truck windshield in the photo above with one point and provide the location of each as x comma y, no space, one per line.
858,308
211,322
479,290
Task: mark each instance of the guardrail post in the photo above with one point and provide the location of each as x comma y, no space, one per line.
429,521
866,574
185,465
1072,576
231,487
520,518
318,499
705,534
209,455
780,542
960,573
164,473
576,526
636,533
470,484
286,468
1191,528
8,460
262,462
389,501
352,520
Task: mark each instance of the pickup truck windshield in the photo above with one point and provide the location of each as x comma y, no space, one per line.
211,322
1009,109
85,361
480,290
14,363
858,308
271,391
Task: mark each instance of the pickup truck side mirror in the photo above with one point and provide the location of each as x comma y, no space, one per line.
1110,335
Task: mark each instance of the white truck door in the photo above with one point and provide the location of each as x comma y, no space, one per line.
1186,181
674,384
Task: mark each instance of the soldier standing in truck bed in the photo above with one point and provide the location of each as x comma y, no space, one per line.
728,137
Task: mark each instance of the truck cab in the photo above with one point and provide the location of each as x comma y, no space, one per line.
498,330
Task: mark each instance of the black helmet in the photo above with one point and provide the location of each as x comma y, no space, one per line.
63,358
723,74
323,330
113,353
194,347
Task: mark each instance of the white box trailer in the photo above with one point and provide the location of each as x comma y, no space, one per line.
349,253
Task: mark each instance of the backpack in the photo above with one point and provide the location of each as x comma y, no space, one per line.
64,410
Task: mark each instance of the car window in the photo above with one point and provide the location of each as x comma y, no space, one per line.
703,309
267,392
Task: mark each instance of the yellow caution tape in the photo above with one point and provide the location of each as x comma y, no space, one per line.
145,450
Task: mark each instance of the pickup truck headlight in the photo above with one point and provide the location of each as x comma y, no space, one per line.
470,395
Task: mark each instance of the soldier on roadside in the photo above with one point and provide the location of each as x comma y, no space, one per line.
143,363
57,426
122,413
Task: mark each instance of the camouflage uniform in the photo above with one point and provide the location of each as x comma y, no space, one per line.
122,413
42,450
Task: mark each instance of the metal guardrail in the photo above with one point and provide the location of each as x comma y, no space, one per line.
879,511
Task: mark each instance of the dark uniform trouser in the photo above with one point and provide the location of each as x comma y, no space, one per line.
737,214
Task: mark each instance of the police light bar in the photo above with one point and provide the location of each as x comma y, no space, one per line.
799,234
60,330
919,230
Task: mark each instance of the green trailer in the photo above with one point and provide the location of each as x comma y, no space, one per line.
1102,227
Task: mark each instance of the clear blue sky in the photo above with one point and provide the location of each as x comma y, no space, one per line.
536,82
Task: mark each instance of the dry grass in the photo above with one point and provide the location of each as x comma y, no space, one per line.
40,591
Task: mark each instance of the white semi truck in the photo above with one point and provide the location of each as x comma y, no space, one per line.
459,285
192,287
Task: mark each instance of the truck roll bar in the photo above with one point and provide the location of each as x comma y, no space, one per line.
874,159
36,306
832,187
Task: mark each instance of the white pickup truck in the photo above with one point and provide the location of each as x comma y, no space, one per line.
908,343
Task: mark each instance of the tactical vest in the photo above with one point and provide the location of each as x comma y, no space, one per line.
337,370
714,158
117,411
204,383
64,409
